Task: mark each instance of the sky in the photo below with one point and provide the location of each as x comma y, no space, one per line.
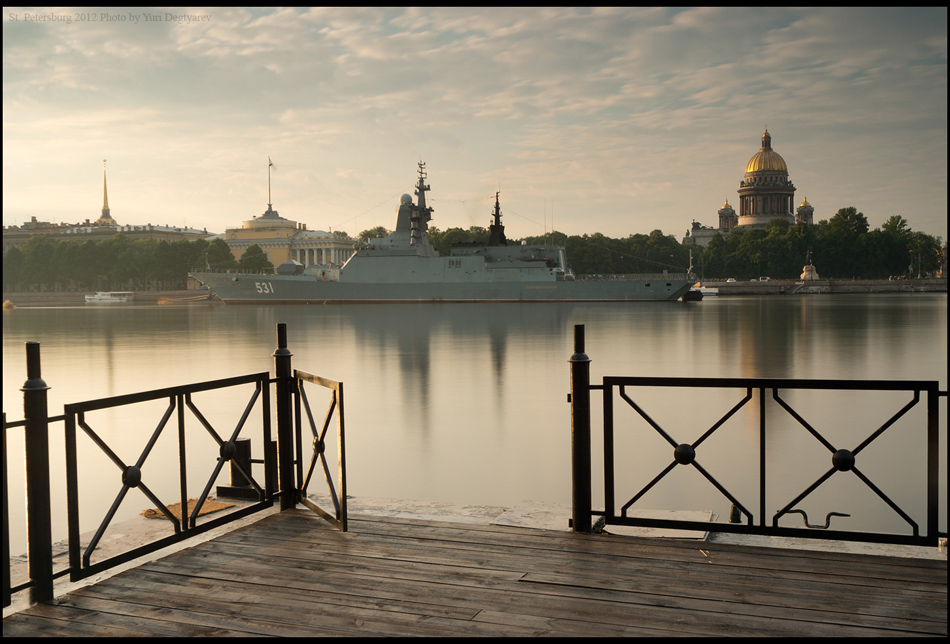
612,120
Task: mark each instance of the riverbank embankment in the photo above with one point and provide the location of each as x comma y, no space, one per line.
79,298
798,287
771,287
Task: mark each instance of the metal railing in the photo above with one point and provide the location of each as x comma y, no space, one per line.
181,404
686,454
179,399
318,446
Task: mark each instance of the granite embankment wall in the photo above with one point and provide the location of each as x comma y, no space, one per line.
772,287
796,287
76,299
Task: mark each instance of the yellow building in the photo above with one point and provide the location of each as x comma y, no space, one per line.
284,240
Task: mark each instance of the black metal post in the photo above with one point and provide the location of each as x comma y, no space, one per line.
270,471
285,433
38,524
580,434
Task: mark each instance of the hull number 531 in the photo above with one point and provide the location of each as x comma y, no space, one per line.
264,287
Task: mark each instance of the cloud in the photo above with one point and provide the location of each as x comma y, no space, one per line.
648,113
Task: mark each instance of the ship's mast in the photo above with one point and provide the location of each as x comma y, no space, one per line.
420,214
496,231
421,187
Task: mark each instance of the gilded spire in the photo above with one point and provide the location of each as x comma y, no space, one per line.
106,218
105,192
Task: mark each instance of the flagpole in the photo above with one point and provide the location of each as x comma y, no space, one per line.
269,164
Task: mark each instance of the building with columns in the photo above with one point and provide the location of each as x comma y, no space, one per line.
765,194
283,240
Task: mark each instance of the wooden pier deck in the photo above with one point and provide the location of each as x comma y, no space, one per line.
291,574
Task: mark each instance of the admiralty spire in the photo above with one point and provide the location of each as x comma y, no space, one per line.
106,218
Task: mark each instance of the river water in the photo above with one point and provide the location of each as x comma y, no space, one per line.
466,403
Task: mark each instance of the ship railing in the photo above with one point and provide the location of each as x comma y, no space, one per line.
182,411
770,400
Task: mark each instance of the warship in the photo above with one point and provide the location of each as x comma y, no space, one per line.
404,267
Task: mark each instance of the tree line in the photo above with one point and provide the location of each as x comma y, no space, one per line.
45,263
842,247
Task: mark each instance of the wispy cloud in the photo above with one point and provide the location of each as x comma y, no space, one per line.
623,119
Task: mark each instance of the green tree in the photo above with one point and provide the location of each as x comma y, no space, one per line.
12,264
925,254
37,270
219,256
372,233
254,259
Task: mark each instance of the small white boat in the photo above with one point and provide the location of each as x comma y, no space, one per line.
110,297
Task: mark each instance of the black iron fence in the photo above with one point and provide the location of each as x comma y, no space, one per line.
744,518
280,465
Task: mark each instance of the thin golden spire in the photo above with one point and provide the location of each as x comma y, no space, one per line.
105,192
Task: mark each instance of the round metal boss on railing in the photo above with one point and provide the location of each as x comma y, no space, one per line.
843,460
132,476
318,446
684,454
227,451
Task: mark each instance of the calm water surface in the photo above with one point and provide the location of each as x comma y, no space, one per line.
466,404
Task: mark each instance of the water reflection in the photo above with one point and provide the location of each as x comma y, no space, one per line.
466,403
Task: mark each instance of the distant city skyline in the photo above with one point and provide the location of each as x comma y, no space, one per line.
612,120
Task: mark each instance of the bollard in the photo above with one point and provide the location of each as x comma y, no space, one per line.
285,433
240,487
580,434
36,437
242,456
735,514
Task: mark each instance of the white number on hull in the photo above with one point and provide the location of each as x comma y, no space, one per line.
264,287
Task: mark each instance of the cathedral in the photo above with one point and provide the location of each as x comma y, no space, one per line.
766,193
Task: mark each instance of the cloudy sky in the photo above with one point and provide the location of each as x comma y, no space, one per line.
617,120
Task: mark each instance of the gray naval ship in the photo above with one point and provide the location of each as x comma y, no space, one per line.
404,267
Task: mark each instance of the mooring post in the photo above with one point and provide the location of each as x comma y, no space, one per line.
580,434
285,433
36,438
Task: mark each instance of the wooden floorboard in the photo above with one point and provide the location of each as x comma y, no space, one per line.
292,574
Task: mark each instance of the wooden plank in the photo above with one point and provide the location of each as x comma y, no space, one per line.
596,605
292,574
811,594
910,577
90,622
614,544
314,619
224,596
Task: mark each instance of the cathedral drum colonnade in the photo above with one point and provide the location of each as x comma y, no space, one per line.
765,193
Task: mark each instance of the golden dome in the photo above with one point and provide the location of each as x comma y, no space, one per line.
805,202
766,159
